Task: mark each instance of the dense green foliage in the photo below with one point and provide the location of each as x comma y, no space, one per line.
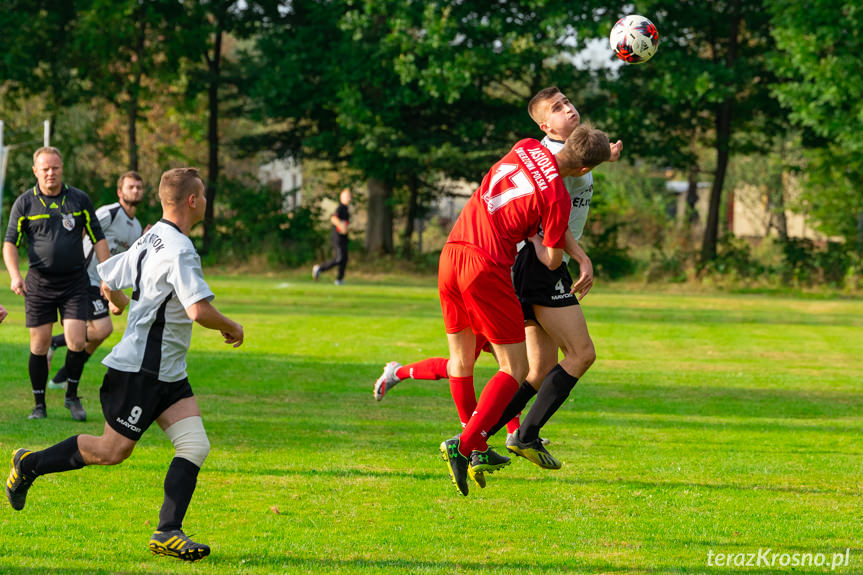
723,423
406,95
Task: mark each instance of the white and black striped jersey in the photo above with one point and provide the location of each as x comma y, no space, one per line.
165,273
580,192
120,230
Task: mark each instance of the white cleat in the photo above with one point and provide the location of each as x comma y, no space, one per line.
387,380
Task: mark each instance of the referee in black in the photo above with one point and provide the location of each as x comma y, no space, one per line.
54,216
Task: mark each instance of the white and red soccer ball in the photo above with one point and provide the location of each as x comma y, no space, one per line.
634,39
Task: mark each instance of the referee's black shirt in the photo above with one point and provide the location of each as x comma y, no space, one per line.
53,226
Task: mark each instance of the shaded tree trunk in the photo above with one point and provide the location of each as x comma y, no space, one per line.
379,225
214,66
135,89
723,142
413,211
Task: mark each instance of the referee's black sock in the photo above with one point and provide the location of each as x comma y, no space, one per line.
516,405
75,361
58,340
553,392
179,486
63,456
38,368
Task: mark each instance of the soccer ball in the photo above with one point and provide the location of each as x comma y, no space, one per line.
634,39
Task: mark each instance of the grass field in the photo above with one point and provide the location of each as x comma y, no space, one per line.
708,425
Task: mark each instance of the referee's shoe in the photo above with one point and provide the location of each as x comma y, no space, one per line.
176,544
18,483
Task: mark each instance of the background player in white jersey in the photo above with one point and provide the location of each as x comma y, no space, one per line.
146,379
121,229
553,317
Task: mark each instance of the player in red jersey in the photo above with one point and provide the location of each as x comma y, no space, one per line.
520,193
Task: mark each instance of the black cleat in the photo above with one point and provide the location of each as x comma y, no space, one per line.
176,544
18,483
73,404
39,412
456,462
482,462
535,452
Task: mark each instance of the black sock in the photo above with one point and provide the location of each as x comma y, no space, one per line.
38,368
64,456
75,361
519,400
553,392
179,486
60,376
58,341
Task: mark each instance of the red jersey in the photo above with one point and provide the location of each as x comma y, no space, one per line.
520,192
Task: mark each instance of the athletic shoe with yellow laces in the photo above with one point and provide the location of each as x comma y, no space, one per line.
176,544
18,483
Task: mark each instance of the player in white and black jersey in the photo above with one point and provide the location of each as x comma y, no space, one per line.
146,379
553,317
121,229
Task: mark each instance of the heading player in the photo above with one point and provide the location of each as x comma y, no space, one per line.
146,379
553,317
520,193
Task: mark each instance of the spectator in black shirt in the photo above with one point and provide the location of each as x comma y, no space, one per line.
339,237
53,216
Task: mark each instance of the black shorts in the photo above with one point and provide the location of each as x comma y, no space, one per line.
98,304
46,295
535,284
131,402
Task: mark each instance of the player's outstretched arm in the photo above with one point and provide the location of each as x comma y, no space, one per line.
585,266
10,258
204,313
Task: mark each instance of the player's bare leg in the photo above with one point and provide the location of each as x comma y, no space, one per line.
567,328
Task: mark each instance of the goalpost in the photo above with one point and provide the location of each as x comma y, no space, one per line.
4,157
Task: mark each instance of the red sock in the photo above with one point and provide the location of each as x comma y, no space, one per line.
464,396
431,369
512,425
495,397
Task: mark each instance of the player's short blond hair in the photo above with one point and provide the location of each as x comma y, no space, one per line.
586,147
47,150
178,184
533,107
131,175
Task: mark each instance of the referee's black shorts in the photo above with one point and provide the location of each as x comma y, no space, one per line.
535,284
48,294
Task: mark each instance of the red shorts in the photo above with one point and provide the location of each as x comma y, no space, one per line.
477,292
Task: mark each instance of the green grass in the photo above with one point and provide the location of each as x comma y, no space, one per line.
723,423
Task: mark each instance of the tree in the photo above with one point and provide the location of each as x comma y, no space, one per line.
823,89
406,91
708,85
128,48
